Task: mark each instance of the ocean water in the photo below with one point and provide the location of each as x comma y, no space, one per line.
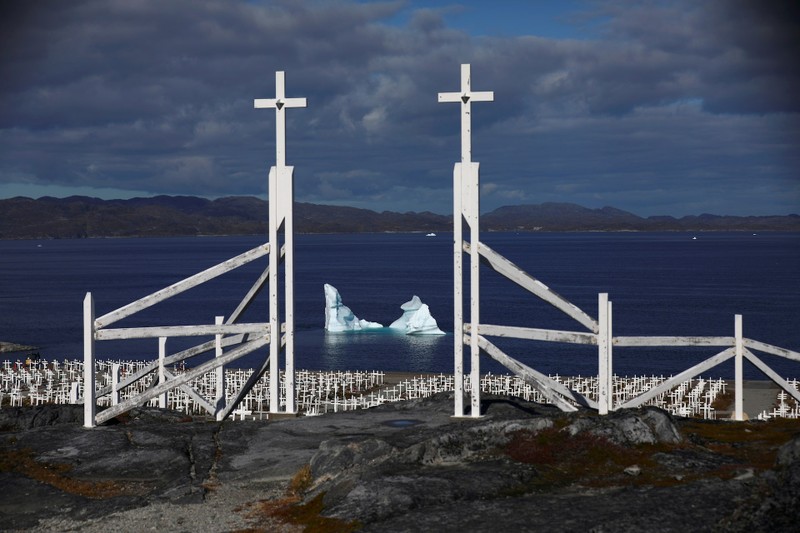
659,283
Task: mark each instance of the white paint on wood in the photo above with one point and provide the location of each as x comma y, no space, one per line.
114,383
634,341
181,286
471,181
186,377
535,379
458,295
280,103
196,397
738,371
674,381
610,355
773,350
536,334
466,96
89,407
771,374
162,377
154,332
286,201
219,398
526,281
236,399
177,358
466,202
274,293
603,367
248,299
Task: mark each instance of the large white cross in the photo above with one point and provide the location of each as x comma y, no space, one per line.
281,200
466,97
280,103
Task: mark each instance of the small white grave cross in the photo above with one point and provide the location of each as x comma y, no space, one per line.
280,103
466,97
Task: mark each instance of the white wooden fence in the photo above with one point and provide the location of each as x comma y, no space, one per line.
600,335
223,334
466,210
278,333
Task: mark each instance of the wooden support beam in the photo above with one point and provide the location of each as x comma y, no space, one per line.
246,388
771,374
687,374
526,281
772,350
187,376
244,304
535,379
181,286
207,406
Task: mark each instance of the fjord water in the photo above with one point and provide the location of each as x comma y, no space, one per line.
659,283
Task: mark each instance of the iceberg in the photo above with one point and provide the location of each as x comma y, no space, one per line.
339,317
416,319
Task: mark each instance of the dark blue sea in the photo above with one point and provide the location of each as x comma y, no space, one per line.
659,283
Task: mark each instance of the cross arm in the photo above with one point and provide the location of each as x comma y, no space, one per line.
261,103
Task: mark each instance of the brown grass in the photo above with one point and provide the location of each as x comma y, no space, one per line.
590,460
752,444
55,475
291,510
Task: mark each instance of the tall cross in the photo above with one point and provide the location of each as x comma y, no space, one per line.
466,97
280,103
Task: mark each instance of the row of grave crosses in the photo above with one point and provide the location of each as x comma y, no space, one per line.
466,204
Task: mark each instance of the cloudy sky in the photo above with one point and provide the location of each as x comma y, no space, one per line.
656,107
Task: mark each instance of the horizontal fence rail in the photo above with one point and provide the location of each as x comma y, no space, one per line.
154,332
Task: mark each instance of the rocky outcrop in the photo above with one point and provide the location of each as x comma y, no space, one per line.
400,467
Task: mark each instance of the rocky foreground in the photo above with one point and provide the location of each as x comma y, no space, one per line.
399,467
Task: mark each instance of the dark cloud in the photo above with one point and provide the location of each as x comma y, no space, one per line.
664,108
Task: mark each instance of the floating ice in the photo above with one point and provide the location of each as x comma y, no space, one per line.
416,319
339,317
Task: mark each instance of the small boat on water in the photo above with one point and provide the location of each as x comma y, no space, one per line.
431,235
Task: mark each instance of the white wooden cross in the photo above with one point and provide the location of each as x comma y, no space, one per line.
280,103
281,200
466,97
466,206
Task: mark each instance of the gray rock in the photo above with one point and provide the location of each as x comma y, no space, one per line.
630,426
789,453
400,467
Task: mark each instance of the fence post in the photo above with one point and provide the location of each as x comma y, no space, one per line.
738,370
610,354
114,383
162,377
603,355
220,371
88,362
458,298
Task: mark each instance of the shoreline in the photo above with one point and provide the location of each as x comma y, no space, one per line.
37,382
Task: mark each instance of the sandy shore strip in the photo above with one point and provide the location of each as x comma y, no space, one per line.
10,347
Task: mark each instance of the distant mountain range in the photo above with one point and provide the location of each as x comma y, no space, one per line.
84,217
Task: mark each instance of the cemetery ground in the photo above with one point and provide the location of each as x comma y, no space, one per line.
403,466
